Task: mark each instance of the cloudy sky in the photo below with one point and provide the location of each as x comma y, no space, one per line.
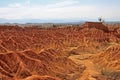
60,9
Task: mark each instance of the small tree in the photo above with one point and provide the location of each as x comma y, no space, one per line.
100,19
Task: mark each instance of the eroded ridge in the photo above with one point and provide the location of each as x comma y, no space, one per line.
21,65
90,51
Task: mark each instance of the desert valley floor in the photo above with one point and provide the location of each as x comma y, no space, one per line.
87,52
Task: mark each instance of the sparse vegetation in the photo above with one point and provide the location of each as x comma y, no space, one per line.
111,75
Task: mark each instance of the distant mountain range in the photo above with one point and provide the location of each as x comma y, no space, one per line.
37,21
62,21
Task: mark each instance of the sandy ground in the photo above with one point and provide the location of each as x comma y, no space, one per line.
90,67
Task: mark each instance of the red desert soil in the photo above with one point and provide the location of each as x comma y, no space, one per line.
87,52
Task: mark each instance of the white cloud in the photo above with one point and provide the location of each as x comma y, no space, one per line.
64,3
20,5
60,10
17,5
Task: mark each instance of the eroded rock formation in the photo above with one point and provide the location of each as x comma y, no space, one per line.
33,53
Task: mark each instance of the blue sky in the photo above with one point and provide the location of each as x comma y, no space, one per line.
60,9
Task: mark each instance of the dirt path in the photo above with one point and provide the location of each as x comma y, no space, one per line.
90,68
90,71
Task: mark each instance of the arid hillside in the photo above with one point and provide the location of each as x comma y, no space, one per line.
87,52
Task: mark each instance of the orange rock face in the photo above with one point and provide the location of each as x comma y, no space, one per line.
110,58
33,53
98,25
21,65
